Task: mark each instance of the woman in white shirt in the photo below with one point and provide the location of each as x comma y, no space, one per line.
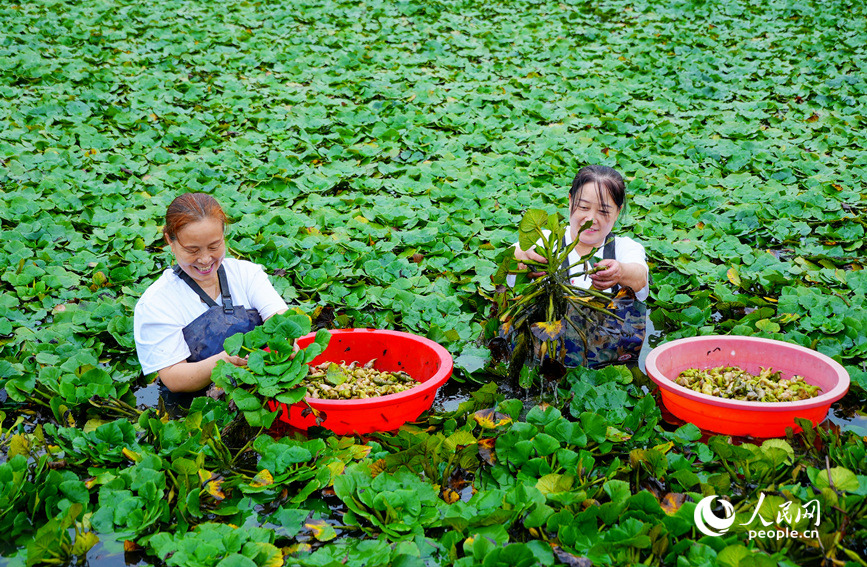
597,195
182,319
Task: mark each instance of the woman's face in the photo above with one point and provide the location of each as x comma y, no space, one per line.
199,249
588,207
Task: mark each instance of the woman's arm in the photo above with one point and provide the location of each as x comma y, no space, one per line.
193,376
627,274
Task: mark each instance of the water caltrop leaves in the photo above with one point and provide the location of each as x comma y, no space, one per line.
376,158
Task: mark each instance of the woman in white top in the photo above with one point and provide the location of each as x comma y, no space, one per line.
182,319
597,195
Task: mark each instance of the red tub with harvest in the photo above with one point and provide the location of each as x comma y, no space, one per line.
737,417
427,362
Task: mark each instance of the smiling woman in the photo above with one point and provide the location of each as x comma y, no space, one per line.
183,318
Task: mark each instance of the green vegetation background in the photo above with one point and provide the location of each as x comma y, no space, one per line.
376,157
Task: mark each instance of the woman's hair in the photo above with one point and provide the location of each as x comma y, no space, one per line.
604,179
189,208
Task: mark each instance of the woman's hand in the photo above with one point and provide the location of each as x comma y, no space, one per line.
626,275
236,360
531,255
193,376
608,277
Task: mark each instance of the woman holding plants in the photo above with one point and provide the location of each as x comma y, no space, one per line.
619,267
182,319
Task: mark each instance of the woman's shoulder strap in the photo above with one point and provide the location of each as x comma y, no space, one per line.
608,251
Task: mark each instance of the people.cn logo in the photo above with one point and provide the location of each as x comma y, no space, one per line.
709,523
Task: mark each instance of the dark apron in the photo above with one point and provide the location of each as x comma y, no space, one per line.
207,332
608,340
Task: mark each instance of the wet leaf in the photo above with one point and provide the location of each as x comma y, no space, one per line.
335,375
491,419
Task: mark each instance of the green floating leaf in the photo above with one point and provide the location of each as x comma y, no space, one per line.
838,478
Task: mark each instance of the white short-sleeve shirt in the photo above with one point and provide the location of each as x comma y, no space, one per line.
169,305
626,251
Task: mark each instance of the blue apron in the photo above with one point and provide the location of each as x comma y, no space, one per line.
207,332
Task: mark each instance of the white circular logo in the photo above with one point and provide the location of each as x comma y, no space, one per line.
707,522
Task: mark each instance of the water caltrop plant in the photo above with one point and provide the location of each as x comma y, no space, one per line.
274,369
535,315
375,158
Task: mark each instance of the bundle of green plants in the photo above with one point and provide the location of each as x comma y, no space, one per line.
536,312
274,369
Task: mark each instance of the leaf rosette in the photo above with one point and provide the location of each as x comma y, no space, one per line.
274,369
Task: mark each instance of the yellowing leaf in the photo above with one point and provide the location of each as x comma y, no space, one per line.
321,530
264,478
486,450
91,425
360,451
214,488
268,555
449,496
547,331
734,277
18,445
297,548
83,542
459,439
554,483
377,467
131,455
672,502
130,545
490,418
300,312
336,468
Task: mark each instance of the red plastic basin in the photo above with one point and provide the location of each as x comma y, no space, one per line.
423,359
736,417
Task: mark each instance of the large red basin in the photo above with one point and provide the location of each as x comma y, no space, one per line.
423,359
736,417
